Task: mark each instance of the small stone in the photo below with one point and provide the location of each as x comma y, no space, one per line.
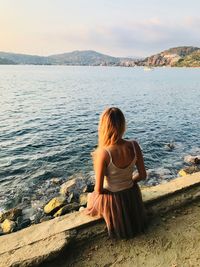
67,208
83,199
81,208
11,214
8,226
54,205
55,181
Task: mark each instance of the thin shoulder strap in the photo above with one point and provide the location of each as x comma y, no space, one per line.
133,143
109,154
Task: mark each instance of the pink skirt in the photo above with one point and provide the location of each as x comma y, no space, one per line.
123,211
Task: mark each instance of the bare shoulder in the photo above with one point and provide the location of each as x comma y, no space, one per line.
102,154
136,145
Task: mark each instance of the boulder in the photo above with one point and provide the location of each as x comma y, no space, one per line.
192,159
67,208
68,187
55,204
35,218
11,214
189,170
83,199
75,185
25,223
8,226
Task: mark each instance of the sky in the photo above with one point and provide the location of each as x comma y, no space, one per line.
114,27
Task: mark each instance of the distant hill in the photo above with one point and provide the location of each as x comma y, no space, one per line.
4,61
170,57
83,58
87,57
188,56
25,59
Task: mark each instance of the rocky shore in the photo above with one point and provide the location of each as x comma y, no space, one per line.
54,242
71,197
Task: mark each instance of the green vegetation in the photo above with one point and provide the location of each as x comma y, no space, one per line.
191,60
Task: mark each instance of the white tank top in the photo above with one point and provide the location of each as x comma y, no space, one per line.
118,179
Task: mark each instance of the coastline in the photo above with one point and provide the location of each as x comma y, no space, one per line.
45,241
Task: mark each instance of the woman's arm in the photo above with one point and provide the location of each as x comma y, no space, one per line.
141,175
100,167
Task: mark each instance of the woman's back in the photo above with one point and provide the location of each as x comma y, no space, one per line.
122,160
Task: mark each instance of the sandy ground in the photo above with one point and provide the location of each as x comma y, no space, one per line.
172,240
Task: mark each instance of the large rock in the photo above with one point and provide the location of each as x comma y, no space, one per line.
11,214
8,226
192,159
67,208
55,204
75,185
23,223
189,170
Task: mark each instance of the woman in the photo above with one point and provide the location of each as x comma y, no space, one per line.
116,195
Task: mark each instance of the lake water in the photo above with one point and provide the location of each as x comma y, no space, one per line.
49,117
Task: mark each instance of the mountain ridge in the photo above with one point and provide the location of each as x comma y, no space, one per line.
174,57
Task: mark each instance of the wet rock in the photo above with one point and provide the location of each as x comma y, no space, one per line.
67,208
67,187
71,197
11,214
23,224
169,146
19,220
55,204
8,226
192,159
83,199
36,218
75,185
189,170
88,188
55,181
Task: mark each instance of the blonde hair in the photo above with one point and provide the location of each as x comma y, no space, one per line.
111,127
